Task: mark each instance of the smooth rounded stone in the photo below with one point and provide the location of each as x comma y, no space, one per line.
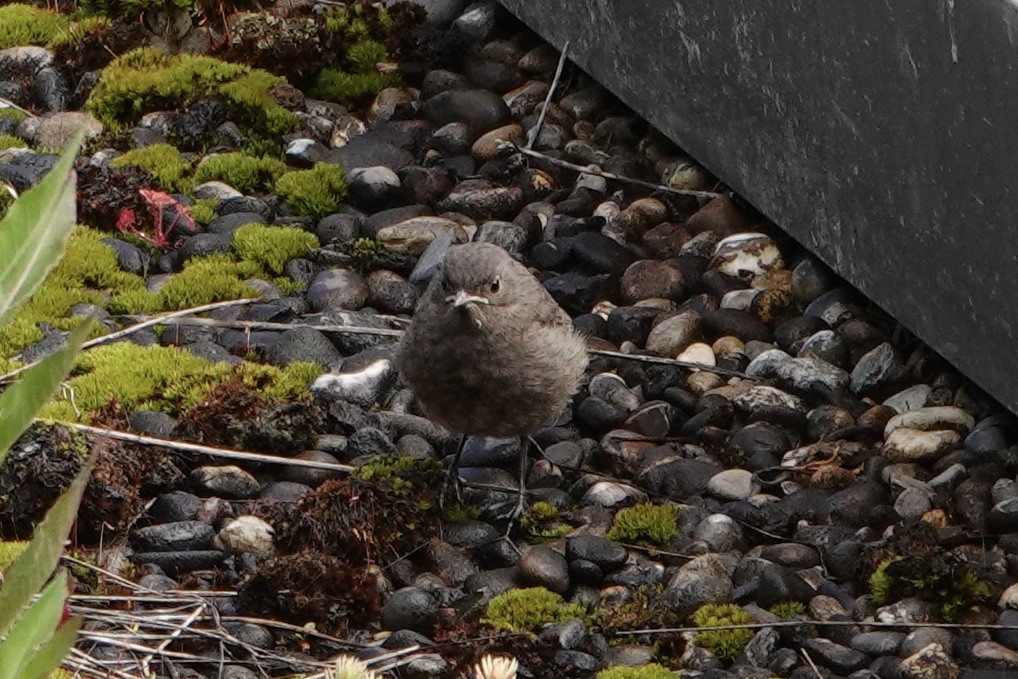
930,662
719,532
176,563
791,555
544,567
878,643
799,374
230,482
932,419
905,444
746,255
152,423
251,634
741,324
835,657
741,300
878,369
690,588
303,344
1008,618
608,555
425,666
576,661
372,187
994,654
566,454
675,477
673,334
215,189
611,494
203,245
655,419
761,400
854,505
337,289
987,439
826,419
470,534
179,536
175,506
284,491
371,149
699,353
56,129
158,582
448,562
311,476
238,672
827,346
1003,516
909,399
227,224
480,199
771,583
361,385
246,535
305,152
913,503
811,279
600,253
760,441
791,334
452,139
480,110
648,278
1003,489
337,228
733,484
409,608
920,638
630,324
487,145
950,477
414,235
507,235
486,451
629,655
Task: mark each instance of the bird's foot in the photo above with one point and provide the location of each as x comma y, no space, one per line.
451,479
516,512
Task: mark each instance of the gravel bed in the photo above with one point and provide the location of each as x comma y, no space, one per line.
849,487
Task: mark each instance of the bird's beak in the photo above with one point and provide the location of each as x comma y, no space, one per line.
463,297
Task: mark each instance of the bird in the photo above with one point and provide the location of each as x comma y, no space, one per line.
490,353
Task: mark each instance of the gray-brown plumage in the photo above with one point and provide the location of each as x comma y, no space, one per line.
489,352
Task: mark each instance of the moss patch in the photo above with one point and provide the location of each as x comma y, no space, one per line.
246,173
166,379
9,141
203,211
316,192
162,161
129,9
145,80
651,671
522,610
26,25
653,523
723,643
272,246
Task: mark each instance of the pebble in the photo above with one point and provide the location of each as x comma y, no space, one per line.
246,535
910,445
172,537
337,289
230,482
363,385
544,567
733,484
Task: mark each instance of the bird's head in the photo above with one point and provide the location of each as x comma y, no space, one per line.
476,279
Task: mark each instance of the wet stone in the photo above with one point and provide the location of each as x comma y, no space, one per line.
171,537
229,482
544,567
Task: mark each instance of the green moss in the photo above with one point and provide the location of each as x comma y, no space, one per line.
787,609
880,583
651,671
363,255
359,77
166,379
216,278
653,523
9,551
521,610
162,161
78,29
272,246
86,274
243,172
145,80
27,25
725,644
460,514
396,472
952,588
12,113
343,87
203,211
316,192
9,141
542,523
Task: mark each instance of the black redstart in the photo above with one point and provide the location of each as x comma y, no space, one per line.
489,352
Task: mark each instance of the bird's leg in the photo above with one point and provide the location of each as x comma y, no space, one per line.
453,475
521,497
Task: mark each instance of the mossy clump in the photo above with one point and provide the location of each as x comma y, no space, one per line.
364,254
87,273
542,522
9,551
272,246
725,644
946,582
647,521
314,193
203,211
526,610
165,379
246,173
146,80
162,161
788,609
651,671
9,141
205,280
22,25
12,113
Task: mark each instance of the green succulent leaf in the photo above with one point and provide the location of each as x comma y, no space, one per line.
51,654
33,629
34,232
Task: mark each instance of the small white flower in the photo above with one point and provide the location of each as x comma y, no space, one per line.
348,667
492,667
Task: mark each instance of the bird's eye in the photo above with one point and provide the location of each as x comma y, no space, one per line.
496,285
